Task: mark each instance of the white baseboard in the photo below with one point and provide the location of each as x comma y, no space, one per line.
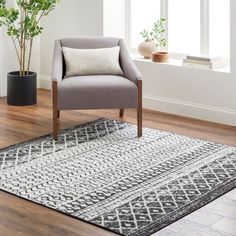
38,82
45,82
172,106
188,109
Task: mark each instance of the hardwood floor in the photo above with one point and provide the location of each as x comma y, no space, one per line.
19,217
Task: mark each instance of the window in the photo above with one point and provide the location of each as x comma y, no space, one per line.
219,25
193,26
143,14
184,26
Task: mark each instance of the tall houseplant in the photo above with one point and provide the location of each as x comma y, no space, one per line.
154,39
22,24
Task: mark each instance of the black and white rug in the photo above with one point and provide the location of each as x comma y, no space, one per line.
101,173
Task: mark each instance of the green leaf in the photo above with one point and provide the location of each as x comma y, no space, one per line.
23,30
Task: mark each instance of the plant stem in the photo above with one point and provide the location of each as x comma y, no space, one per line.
30,53
24,43
40,17
17,53
24,49
21,41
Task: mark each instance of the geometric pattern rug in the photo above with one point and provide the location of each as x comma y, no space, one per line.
100,172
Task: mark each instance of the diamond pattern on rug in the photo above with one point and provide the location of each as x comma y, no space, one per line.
27,151
155,205
102,173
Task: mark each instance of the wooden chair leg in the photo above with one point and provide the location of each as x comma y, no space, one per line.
58,114
55,111
140,109
55,128
122,112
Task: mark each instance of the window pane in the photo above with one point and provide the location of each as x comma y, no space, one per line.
220,28
114,18
184,26
143,14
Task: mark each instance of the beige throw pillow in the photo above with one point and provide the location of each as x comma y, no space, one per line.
101,61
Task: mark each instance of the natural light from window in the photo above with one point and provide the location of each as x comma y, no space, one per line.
194,26
184,26
219,43
143,15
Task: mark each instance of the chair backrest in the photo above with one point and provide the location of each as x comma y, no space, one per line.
88,43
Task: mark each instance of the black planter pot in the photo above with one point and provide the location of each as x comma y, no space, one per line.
21,90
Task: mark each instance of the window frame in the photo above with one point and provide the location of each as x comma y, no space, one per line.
204,27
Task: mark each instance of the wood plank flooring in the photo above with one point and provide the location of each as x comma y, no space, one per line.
23,218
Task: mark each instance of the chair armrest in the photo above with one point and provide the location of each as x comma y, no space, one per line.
57,63
130,70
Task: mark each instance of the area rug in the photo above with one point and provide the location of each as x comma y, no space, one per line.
102,173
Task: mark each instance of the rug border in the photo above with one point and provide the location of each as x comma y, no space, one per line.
61,212
104,118
50,134
45,136
230,185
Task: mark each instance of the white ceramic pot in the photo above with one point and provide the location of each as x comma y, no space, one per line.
147,48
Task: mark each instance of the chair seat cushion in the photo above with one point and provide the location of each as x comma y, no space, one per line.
96,92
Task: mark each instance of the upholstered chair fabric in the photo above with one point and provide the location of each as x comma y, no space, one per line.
95,91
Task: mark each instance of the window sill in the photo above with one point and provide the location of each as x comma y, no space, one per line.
177,63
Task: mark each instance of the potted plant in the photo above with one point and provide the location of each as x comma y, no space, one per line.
22,24
148,46
154,41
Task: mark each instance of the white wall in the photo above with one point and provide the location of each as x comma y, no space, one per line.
71,18
1,66
189,92
114,21
8,61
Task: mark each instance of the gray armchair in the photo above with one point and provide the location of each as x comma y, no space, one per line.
95,92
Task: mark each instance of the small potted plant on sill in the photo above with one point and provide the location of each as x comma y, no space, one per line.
22,26
154,41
